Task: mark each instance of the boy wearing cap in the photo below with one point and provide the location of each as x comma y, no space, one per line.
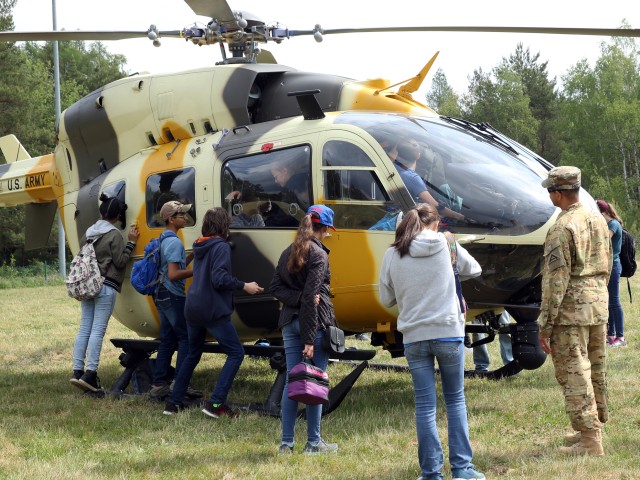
574,309
170,298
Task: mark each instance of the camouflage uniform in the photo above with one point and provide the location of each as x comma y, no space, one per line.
574,310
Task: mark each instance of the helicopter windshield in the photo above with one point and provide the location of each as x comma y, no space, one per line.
479,186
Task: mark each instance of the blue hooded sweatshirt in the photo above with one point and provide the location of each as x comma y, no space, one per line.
210,297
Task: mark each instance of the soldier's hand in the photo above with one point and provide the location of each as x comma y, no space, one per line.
544,344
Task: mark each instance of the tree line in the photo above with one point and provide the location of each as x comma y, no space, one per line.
27,109
591,120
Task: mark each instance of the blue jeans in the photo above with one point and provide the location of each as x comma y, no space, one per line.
293,351
94,318
616,315
173,333
450,355
227,336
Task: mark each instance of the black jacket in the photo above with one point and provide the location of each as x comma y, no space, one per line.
297,291
210,297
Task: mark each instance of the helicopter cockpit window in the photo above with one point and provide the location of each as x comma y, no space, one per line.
167,186
478,186
117,190
271,189
351,180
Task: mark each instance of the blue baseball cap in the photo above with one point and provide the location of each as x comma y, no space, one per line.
324,215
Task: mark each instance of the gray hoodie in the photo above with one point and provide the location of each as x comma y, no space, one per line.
422,284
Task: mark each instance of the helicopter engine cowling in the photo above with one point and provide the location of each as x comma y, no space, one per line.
525,346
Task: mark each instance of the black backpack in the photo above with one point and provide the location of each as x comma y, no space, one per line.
628,255
628,259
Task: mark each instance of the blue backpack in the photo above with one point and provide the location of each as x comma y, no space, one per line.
145,276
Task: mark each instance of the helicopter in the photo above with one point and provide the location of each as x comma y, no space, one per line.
222,135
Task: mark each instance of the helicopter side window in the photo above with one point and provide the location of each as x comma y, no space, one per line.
270,189
350,179
167,186
117,190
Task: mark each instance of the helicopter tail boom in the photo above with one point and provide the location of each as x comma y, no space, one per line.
27,181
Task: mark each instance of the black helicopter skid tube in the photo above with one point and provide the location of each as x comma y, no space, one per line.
136,351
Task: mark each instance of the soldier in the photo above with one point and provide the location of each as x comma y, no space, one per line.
574,310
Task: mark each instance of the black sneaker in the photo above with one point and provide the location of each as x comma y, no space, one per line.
89,381
75,376
171,408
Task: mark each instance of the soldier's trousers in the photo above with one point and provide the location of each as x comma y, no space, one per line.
579,358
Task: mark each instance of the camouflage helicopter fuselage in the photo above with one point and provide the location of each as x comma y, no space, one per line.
216,130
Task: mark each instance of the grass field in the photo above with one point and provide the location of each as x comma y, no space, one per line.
49,430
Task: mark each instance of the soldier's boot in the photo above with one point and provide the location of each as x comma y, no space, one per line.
572,438
590,444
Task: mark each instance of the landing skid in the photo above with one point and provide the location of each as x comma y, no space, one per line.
136,354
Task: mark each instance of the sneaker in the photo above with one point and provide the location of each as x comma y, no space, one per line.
159,392
75,376
220,411
285,449
191,392
466,474
171,408
320,447
89,381
610,341
619,342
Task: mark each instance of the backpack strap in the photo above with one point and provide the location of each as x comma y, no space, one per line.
629,289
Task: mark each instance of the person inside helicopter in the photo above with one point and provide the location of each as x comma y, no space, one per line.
294,183
407,153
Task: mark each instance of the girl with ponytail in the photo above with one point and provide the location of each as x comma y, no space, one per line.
301,282
112,255
615,333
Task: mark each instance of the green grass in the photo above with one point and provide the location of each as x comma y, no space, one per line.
49,430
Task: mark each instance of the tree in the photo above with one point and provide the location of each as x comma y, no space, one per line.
441,97
601,119
543,98
499,98
27,106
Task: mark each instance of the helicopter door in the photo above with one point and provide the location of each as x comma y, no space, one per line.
267,192
354,183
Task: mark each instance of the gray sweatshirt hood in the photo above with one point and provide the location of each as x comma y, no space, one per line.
98,229
426,244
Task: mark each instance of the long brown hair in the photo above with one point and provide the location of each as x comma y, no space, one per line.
300,246
413,222
216,223
607,208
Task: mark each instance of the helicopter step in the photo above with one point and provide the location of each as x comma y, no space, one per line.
137,352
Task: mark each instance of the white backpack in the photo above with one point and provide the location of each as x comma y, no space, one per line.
84,281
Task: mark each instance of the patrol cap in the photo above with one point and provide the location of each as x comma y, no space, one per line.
562,178
321,214
169,209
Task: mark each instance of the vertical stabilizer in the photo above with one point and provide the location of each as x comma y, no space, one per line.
12,149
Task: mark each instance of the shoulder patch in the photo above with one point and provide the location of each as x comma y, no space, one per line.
555,258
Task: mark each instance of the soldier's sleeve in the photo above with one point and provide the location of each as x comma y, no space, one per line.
555,278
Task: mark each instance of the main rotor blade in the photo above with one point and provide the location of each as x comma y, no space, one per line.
216,9
64,35
605,32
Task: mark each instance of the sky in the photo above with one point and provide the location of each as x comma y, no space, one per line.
395,56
